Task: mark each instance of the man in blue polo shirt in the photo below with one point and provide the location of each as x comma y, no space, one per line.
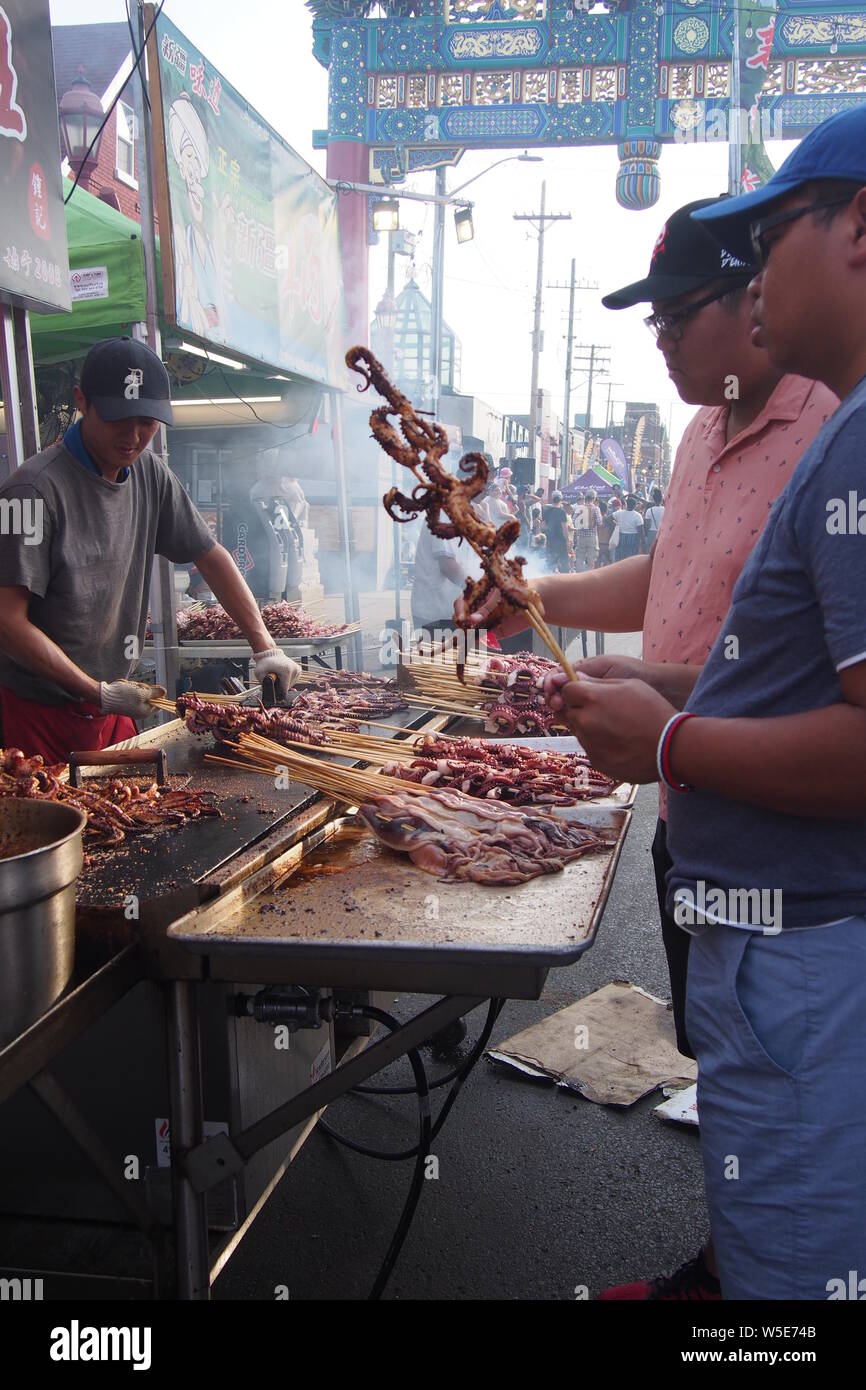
768,830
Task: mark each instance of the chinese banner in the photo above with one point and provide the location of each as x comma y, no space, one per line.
34,269
254,228
757,26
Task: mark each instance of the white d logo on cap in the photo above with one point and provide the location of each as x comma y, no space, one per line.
132,383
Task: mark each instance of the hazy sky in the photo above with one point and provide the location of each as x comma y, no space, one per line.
264,47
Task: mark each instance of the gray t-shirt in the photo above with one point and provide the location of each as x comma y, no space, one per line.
798,614
86,558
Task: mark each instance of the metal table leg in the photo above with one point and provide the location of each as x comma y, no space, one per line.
186,1132
222,1156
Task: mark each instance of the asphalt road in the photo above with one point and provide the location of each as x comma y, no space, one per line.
539,1193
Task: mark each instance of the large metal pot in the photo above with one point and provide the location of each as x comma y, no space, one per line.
40,859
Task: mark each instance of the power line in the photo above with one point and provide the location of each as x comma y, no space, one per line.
135,68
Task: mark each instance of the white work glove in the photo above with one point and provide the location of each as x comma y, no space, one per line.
132,698
273,662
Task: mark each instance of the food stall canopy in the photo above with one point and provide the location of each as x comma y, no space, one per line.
597,477
253,264
106,279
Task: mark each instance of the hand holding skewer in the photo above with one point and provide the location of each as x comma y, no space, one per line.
419,445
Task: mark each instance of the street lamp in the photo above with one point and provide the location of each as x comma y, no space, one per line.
463,224
386,215
525,158
81,115
385,314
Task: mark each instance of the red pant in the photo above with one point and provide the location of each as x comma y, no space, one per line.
55,731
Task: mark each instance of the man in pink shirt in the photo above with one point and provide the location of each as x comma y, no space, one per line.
734,459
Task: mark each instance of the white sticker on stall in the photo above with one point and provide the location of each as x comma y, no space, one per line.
321,1064
91,283
163,1157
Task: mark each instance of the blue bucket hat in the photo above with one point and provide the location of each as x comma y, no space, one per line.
836,149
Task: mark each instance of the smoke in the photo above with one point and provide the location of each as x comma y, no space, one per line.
536,566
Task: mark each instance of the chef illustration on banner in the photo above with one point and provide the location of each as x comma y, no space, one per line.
201,274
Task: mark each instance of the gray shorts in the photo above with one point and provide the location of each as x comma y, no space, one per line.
777,1025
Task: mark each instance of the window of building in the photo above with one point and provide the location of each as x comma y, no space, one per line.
126,133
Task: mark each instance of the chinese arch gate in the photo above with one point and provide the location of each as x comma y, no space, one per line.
415,83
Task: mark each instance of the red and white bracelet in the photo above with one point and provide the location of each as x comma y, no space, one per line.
663,763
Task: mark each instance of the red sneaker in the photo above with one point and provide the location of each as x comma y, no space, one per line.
691,1281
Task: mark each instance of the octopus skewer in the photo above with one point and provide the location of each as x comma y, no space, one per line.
420,445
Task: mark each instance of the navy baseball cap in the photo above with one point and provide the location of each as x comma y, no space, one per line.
123,379
836,149
684,258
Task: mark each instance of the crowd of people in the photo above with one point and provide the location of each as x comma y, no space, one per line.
566,537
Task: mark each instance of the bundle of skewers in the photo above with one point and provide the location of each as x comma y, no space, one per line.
507,692
444,832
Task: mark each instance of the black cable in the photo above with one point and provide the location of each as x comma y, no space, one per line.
414,1057
402,1155
424,1141
403,1090
427,1135
284,429
135,68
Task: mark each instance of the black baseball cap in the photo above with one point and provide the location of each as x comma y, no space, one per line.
684,258
836,149
122,379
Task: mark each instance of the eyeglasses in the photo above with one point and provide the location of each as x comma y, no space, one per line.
758,230
674,323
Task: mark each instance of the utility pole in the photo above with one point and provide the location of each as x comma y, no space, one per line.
610,386
539,221
563,457
566,410
436,297
162,598
735,149
594,360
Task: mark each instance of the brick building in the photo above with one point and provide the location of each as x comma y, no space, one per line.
102,54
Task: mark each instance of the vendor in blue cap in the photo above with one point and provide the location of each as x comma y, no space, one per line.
766,766
74,576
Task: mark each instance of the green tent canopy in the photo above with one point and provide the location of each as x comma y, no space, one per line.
105,242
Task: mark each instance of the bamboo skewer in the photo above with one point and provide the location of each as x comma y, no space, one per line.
550,641
348,784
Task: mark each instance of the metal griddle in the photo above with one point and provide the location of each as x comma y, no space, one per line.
153,866
343,909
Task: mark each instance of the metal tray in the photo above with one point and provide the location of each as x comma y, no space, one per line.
344,900
239,648
224,643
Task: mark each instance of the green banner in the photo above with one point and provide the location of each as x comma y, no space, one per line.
254,228
757,27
